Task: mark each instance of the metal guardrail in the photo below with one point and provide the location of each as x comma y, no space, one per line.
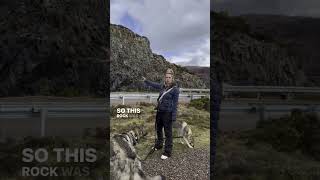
151,96
194,90
261,109
276,89
227,89
44,111
279,89
288,91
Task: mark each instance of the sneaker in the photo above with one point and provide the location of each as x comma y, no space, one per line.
164,157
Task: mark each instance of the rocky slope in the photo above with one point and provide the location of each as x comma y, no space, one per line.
253,57
54,47
132,58
300,36
202,72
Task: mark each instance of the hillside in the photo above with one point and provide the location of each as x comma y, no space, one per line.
300,35
266,50
132,58
202,72
280,148
54,47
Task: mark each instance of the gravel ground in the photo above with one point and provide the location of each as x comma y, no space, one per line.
193,164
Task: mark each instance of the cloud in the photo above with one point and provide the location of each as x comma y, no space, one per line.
198,57
173,27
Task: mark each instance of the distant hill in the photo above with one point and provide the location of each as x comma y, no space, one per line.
202,72
132,58
267,49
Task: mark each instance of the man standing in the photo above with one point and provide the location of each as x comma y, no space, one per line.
166,111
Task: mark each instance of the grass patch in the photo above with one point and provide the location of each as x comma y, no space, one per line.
284,149
199,121
202,104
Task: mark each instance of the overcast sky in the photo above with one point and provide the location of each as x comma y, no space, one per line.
178,30
309,8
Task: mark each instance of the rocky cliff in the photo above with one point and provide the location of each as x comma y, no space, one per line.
132,58
54,47
251,57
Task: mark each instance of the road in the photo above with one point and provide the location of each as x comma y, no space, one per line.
69,117
244,114
130,98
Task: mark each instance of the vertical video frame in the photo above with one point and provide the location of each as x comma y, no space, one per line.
160,89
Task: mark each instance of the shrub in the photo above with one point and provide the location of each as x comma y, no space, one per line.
299,131
202,104
69,92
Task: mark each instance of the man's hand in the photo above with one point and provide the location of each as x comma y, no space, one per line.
143,78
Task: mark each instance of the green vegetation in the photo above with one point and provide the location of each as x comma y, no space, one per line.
44,86
299,131
285,148
201,104
198,120
69,92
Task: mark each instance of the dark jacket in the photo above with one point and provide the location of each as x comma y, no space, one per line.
169,101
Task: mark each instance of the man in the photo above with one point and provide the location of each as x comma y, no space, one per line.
166,111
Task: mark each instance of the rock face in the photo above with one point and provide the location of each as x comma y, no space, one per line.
54,47
250,57
132,58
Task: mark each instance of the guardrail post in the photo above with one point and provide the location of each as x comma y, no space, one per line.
191,97
2,137
150,99
43,117
3,134
289,96
122,97
261,112
258,95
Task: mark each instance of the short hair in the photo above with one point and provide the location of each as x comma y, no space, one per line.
170,71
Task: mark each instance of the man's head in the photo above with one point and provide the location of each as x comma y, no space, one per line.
169,77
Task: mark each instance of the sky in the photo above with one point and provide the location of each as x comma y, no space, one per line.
177,29
309,8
